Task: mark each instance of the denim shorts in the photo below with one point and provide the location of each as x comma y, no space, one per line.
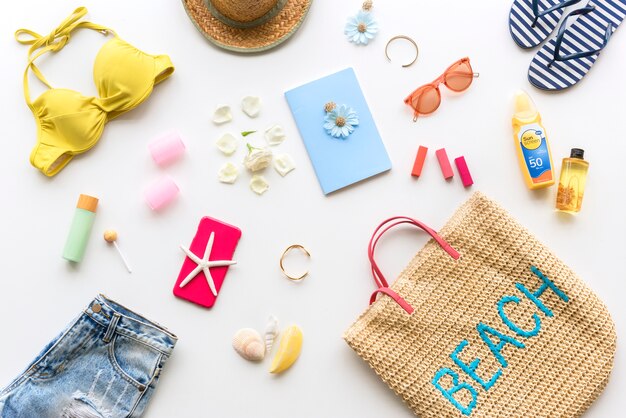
105,364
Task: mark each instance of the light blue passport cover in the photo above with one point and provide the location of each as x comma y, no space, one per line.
338,162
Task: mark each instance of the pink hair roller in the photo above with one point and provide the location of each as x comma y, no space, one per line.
464,172
444,163
166,149
161,193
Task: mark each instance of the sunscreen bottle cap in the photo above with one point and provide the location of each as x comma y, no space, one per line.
524,105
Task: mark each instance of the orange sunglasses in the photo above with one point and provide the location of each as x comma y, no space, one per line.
427,98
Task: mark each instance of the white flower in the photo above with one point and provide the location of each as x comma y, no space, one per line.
257,158
228,173
258,184
283,163
227,144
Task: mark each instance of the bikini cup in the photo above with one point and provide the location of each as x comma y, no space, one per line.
69,123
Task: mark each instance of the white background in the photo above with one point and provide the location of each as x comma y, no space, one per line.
40,292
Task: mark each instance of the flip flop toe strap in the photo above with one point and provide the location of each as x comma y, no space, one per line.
538,14
561,33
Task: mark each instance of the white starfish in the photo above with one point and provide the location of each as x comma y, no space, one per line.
203,264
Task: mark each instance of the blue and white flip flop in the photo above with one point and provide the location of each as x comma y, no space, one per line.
564,60
532,21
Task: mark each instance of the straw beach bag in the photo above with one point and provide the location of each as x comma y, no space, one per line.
486,322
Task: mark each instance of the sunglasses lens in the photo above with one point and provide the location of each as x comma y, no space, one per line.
427,101
459,77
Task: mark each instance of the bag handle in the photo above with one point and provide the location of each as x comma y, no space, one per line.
379,278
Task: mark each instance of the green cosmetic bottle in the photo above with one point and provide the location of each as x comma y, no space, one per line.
81,228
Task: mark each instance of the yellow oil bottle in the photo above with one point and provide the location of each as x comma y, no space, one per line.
572,182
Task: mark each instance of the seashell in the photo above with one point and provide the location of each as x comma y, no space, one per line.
258,184
227,144
283,163
251,106
275,135
288,351
228,173
222,115
271,332
248,343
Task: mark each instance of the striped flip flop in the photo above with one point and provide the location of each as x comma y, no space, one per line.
564,60
532,21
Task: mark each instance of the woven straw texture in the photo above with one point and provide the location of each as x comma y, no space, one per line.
559,373
255,39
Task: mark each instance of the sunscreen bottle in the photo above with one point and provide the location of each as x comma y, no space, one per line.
80,230
531,143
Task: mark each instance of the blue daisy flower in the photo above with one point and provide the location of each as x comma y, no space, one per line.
361,28
341,121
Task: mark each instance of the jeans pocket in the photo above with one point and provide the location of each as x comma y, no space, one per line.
135,361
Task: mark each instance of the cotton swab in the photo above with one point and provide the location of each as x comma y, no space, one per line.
110,236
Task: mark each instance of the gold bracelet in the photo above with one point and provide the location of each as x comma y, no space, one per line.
282,257
408,39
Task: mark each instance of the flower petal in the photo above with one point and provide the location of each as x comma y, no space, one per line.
228,173
283,164
275,135
222,115
227,143
251,106
258,184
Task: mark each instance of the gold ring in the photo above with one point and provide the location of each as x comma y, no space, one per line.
282,257
408,39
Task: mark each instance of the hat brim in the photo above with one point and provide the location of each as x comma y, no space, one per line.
257,39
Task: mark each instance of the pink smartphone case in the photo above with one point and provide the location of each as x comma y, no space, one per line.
225,242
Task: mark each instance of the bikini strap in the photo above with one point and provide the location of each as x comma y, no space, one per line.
53,42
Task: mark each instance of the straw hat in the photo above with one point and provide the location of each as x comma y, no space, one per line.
247,25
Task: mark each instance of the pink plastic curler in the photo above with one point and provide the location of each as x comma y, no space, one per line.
444,163
161,193
419,161
464,172
166,149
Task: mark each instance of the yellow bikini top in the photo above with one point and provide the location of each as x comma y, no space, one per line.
69,123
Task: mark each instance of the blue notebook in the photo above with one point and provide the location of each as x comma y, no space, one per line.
338,162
